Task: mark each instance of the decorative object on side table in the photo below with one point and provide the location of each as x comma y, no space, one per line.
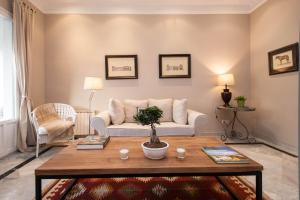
283,60
121,67
155,149
229,128
175,66
240,100
93,84
226,80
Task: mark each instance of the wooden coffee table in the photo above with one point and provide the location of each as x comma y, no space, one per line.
72,163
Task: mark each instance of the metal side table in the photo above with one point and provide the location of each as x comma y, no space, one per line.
229,128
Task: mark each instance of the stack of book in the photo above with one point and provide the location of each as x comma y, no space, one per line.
92,143
225,155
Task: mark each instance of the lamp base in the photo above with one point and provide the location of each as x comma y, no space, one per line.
226,96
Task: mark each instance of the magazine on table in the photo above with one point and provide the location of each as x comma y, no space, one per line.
224,155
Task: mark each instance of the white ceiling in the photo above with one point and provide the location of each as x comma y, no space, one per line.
148,6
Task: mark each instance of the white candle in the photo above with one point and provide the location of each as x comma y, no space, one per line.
124,154
180,153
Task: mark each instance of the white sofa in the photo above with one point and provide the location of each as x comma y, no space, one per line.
102,123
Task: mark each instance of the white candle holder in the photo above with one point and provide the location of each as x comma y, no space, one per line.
124,154
180,153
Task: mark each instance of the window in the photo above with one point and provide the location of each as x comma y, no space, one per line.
7,70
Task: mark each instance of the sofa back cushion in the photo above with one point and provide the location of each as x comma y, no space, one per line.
116,111
180,114
166,105
132,107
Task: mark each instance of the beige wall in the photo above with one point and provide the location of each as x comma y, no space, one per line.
76,45
6,4
274,25
37,70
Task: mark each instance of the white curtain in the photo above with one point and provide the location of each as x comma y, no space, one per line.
23,19
7,70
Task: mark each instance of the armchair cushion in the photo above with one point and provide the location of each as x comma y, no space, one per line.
54,128
131,108
45,113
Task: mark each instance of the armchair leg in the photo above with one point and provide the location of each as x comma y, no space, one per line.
37,148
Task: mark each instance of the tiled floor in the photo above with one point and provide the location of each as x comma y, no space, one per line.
280,176
20,184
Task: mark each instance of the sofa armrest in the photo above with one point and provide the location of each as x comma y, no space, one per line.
196,118
100,122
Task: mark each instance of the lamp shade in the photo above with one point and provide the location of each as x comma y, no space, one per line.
93,83
225,79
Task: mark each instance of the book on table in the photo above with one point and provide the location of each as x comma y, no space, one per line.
224,155
93,143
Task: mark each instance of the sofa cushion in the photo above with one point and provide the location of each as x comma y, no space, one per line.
180,111
166,106
164,129
128,129
172,128
131,108
116,111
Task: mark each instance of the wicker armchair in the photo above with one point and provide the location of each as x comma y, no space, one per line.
52,121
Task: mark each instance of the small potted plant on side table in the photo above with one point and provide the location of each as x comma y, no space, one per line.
154,149
240,101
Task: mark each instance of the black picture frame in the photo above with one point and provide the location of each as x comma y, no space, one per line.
277,54
189,68
110,77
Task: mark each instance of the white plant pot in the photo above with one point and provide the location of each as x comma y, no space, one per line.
155,153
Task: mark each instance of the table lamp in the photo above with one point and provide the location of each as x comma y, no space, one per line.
93,84
226,80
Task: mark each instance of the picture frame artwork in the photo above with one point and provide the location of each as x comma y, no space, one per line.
121,67
175,66
284,60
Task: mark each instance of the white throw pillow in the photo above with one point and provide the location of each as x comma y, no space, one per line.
180,111
131,108
116,111
166,106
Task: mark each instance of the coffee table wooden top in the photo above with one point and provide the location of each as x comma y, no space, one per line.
71,161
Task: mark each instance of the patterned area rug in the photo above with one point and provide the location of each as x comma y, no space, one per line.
166,188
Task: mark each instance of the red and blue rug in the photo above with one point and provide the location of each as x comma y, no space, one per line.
164,188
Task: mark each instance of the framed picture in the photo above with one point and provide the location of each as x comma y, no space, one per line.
175,66
284,60
121,67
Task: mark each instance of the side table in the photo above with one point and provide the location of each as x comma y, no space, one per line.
229,128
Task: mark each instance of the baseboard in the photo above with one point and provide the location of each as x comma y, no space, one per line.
7,152
283,148
210,133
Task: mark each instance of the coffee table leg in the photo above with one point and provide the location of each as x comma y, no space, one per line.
38,188
259,186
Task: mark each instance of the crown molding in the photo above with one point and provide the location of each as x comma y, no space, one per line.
149,10
257,6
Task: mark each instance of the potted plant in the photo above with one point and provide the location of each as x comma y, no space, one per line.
154,149
240,101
